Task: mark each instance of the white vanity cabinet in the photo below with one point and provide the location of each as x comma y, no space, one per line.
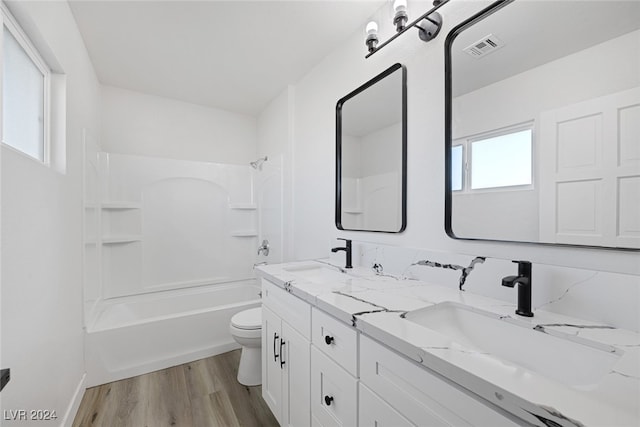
418,395
375,412
320,371
334,372
286,333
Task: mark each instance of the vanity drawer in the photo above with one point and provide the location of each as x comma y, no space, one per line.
420,395
336,340
334,393
291,309
375,412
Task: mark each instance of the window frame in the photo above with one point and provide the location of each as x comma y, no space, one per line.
463,166
9,22
467,160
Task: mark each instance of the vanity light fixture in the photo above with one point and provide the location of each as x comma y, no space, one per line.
400,18
428,25
372,36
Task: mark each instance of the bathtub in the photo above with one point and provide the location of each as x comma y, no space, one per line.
134,335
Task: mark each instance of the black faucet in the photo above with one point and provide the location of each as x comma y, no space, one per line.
523,280
347,249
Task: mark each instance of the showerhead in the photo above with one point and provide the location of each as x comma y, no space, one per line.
258,163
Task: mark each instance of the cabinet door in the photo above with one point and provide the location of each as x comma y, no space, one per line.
271,369
334,393
296,408
375,412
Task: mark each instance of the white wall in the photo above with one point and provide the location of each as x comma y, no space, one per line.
42,337
382,151
345,69
275,139
136,123
273,125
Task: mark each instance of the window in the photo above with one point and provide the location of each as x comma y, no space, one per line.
456,167
493,160
25,94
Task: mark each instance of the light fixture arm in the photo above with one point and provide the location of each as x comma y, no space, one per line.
429,22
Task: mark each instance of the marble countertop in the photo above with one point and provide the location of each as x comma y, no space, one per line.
375,304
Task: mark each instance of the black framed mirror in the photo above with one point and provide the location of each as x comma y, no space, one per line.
542,134
371,155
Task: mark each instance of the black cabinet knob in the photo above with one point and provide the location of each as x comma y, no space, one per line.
329,340
328,400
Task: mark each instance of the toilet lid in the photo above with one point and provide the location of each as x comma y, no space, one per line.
248,319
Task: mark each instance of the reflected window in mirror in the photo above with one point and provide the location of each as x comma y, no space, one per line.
371,155
496,161
570,174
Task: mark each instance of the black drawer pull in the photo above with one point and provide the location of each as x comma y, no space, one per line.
328,400
282,362
329,340
275,355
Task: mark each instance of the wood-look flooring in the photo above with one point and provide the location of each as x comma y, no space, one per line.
204,393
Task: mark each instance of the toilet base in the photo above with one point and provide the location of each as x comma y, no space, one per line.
250,369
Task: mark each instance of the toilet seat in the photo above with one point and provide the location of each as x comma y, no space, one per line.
248,319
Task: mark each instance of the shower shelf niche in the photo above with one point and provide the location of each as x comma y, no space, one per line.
90,241
114,240
352,210
244,233
120,205
243,206
121,222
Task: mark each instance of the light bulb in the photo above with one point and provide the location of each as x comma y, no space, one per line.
372,36
372,28
400,5
400,18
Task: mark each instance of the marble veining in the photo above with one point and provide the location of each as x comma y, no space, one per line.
457,349
635,377
575,326
378,308
555,413
376,305
566,291
576,292
465,270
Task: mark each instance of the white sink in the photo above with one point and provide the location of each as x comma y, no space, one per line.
575,362
317,273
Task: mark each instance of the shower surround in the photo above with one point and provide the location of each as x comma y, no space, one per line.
159,229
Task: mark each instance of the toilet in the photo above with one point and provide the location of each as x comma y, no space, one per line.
246,329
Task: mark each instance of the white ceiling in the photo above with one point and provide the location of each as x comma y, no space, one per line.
233,55
537,32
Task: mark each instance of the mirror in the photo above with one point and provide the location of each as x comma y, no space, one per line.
371,154
543,124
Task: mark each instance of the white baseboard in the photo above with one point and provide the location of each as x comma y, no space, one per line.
72,409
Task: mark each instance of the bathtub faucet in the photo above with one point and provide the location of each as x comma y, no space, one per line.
264,248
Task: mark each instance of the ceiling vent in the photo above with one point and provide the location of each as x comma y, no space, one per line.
484,46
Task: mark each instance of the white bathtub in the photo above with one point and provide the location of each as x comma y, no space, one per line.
139,334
